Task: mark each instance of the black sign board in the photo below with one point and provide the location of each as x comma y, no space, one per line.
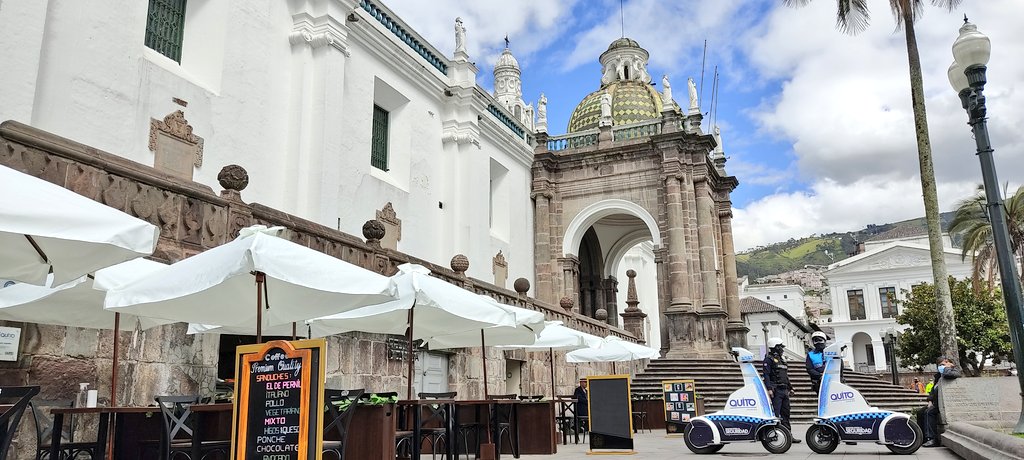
680,404
611,412
279,397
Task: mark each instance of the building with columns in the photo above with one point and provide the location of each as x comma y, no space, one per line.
636,167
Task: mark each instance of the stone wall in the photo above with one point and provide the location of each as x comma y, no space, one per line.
192,218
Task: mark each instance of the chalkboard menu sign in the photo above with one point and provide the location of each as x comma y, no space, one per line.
279,394
680,404
611,412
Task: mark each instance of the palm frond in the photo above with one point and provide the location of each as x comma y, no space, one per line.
949,5
852,16
900,8
796,3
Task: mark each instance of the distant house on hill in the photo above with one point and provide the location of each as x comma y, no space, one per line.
912,234
864,289
765,320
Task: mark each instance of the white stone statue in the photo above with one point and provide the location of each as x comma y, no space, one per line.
620,69
609,74
460,36
606,110
694,104
542,109
666,93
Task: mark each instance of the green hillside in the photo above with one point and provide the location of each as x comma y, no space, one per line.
796,253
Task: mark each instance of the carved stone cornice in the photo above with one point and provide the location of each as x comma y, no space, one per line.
460,137
543,193
318,32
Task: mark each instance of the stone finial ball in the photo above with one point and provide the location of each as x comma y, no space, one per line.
233,177
522,285
373,229
566,303
631,273
601,314
460,263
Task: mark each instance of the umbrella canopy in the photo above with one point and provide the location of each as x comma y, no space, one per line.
440,308
46,227
555,336
218,286
78,303
612,349
528,324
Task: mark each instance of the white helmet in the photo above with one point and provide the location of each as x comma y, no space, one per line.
818,334
774,342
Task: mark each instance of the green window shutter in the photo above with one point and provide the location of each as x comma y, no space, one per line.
379,139
165,27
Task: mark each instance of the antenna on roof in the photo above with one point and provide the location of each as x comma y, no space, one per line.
702,63
714,99
622,20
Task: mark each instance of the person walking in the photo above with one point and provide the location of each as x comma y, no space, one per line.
917,386
947,372
815,362
776,380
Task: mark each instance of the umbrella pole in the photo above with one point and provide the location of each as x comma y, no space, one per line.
411,358
552,356
483,358
113,371
613,367
260,279
294,333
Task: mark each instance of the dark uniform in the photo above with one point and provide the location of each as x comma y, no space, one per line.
776,380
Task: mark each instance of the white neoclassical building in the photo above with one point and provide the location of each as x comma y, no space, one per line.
863,289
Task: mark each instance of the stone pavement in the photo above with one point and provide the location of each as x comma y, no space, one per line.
656,446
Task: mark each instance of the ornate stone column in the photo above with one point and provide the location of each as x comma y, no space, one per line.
679,278
610,286
570,276
542,245
663,299
633,317
735,330
706,211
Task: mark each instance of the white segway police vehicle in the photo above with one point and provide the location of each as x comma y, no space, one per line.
844,416
747,417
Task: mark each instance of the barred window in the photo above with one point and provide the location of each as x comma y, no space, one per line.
887,296
856,302
379,139
165,27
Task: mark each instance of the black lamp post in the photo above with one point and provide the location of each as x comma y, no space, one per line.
971,52
890,337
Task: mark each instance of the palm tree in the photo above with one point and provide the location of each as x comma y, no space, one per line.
971,223
852,17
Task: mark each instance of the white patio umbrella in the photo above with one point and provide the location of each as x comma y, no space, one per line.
612,349
79,303
226,285
46,227
426,307
556,336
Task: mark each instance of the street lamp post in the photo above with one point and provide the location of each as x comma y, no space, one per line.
971,52
890,338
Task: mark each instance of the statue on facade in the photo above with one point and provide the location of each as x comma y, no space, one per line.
620,69
542,110
694,104
666,93
460,36
606,110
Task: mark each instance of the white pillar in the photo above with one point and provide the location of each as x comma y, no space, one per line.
879,348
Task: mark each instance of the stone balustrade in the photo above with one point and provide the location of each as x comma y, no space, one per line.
572,140
640,130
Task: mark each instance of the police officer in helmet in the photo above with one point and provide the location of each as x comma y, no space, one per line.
815,362
776,380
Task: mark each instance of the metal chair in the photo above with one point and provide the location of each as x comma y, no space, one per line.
340,419
10,418
504,420
438,413
44,433
176,417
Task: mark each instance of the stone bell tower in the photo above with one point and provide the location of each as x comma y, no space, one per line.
633,168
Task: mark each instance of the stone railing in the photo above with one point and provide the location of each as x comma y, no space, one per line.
572,140
192,218
636,130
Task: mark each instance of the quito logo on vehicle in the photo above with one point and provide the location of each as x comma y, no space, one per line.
744,402
842,396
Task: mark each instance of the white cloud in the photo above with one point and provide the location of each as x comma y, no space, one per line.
845,107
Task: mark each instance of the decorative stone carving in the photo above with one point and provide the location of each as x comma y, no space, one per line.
317,32
460,263
233,177
666,93
499,267
459,137
460,36
897,261
522,286
373,231
392,227
601,314
694,102
606,110
177,149
542,114
566,303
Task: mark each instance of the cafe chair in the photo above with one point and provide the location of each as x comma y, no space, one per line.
178,422
339,420
441,413
567,421
44,433
503,419
640,422
18,399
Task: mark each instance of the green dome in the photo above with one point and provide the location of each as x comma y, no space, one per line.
632,102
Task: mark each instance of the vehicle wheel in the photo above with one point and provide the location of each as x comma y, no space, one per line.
913,446
698,439
776,439
822,439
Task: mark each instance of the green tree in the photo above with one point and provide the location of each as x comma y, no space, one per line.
852,17
980,318
971,224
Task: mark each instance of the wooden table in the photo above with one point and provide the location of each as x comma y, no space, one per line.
536,428
373,432
129,438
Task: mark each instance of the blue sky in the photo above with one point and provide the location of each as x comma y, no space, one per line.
817,125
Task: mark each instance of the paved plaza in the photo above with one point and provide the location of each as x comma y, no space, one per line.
656,446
